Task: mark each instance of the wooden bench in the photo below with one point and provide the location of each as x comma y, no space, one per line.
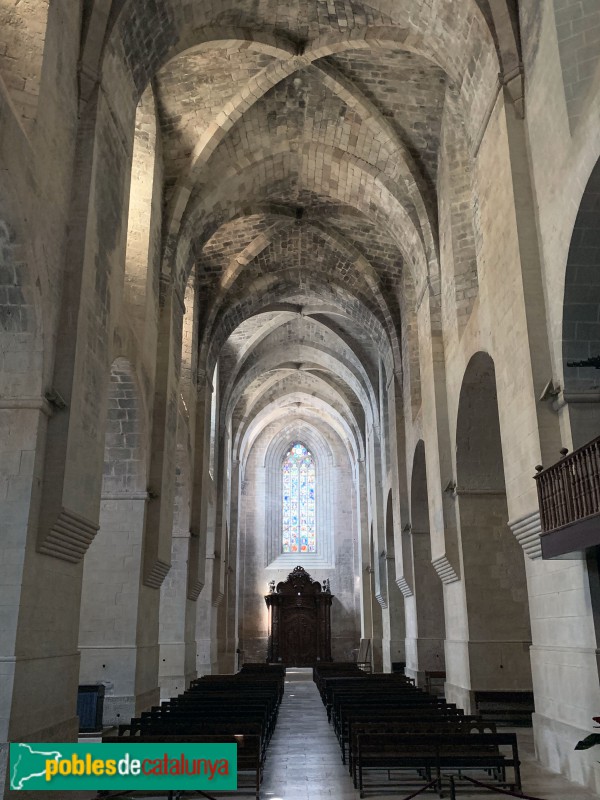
255,667
347,709
363,679
435,681
342,704
430,756
191,714
405,725
321,675
333,691
240,682
506,708
254,701
195,727
240,709
411,718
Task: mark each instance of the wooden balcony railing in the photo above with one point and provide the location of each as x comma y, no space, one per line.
569,490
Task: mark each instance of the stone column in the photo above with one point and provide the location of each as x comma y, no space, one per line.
394,639
364,555
378,576
202,546
564,651
177,665
443,528
161,479
111,608
54,491
228,636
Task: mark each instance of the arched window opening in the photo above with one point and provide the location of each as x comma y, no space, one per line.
325,503
298,508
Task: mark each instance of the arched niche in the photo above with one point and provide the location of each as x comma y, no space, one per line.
111,599
581,317
177,664
425,608
376,633
395,644
493,562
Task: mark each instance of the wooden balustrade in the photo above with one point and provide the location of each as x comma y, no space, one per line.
569,490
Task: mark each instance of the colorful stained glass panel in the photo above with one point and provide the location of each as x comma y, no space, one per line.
298,505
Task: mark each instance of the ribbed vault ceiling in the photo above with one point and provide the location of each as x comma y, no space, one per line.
300,145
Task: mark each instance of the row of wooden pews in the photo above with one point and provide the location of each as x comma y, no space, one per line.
393,735
240,709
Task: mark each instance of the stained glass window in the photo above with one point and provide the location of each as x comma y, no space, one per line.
298,475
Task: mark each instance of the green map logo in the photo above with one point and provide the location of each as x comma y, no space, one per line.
121,767
27,764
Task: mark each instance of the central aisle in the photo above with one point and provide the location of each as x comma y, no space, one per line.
303,760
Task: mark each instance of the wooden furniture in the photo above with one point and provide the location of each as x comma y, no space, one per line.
410,721
398,737
240,709
569,500
435,681
506,708
363,659
435,755
299,621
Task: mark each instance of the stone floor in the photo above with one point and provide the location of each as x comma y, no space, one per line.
304,763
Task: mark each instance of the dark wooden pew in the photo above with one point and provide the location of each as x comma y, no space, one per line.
506,708
243,682
435,681
235,708
431,756
187,713
335,689
343,703
410,718
221,727
415,724
336,669
253,668
409,711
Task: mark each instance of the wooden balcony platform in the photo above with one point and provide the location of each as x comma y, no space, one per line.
573,539
569,498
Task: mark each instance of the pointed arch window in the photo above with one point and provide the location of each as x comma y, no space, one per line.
298,503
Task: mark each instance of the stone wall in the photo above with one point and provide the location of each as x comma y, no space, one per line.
256,569
344,209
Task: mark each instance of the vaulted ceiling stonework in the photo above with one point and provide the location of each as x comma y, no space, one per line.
363,232
299,156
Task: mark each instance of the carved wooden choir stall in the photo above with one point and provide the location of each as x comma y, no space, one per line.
299,620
